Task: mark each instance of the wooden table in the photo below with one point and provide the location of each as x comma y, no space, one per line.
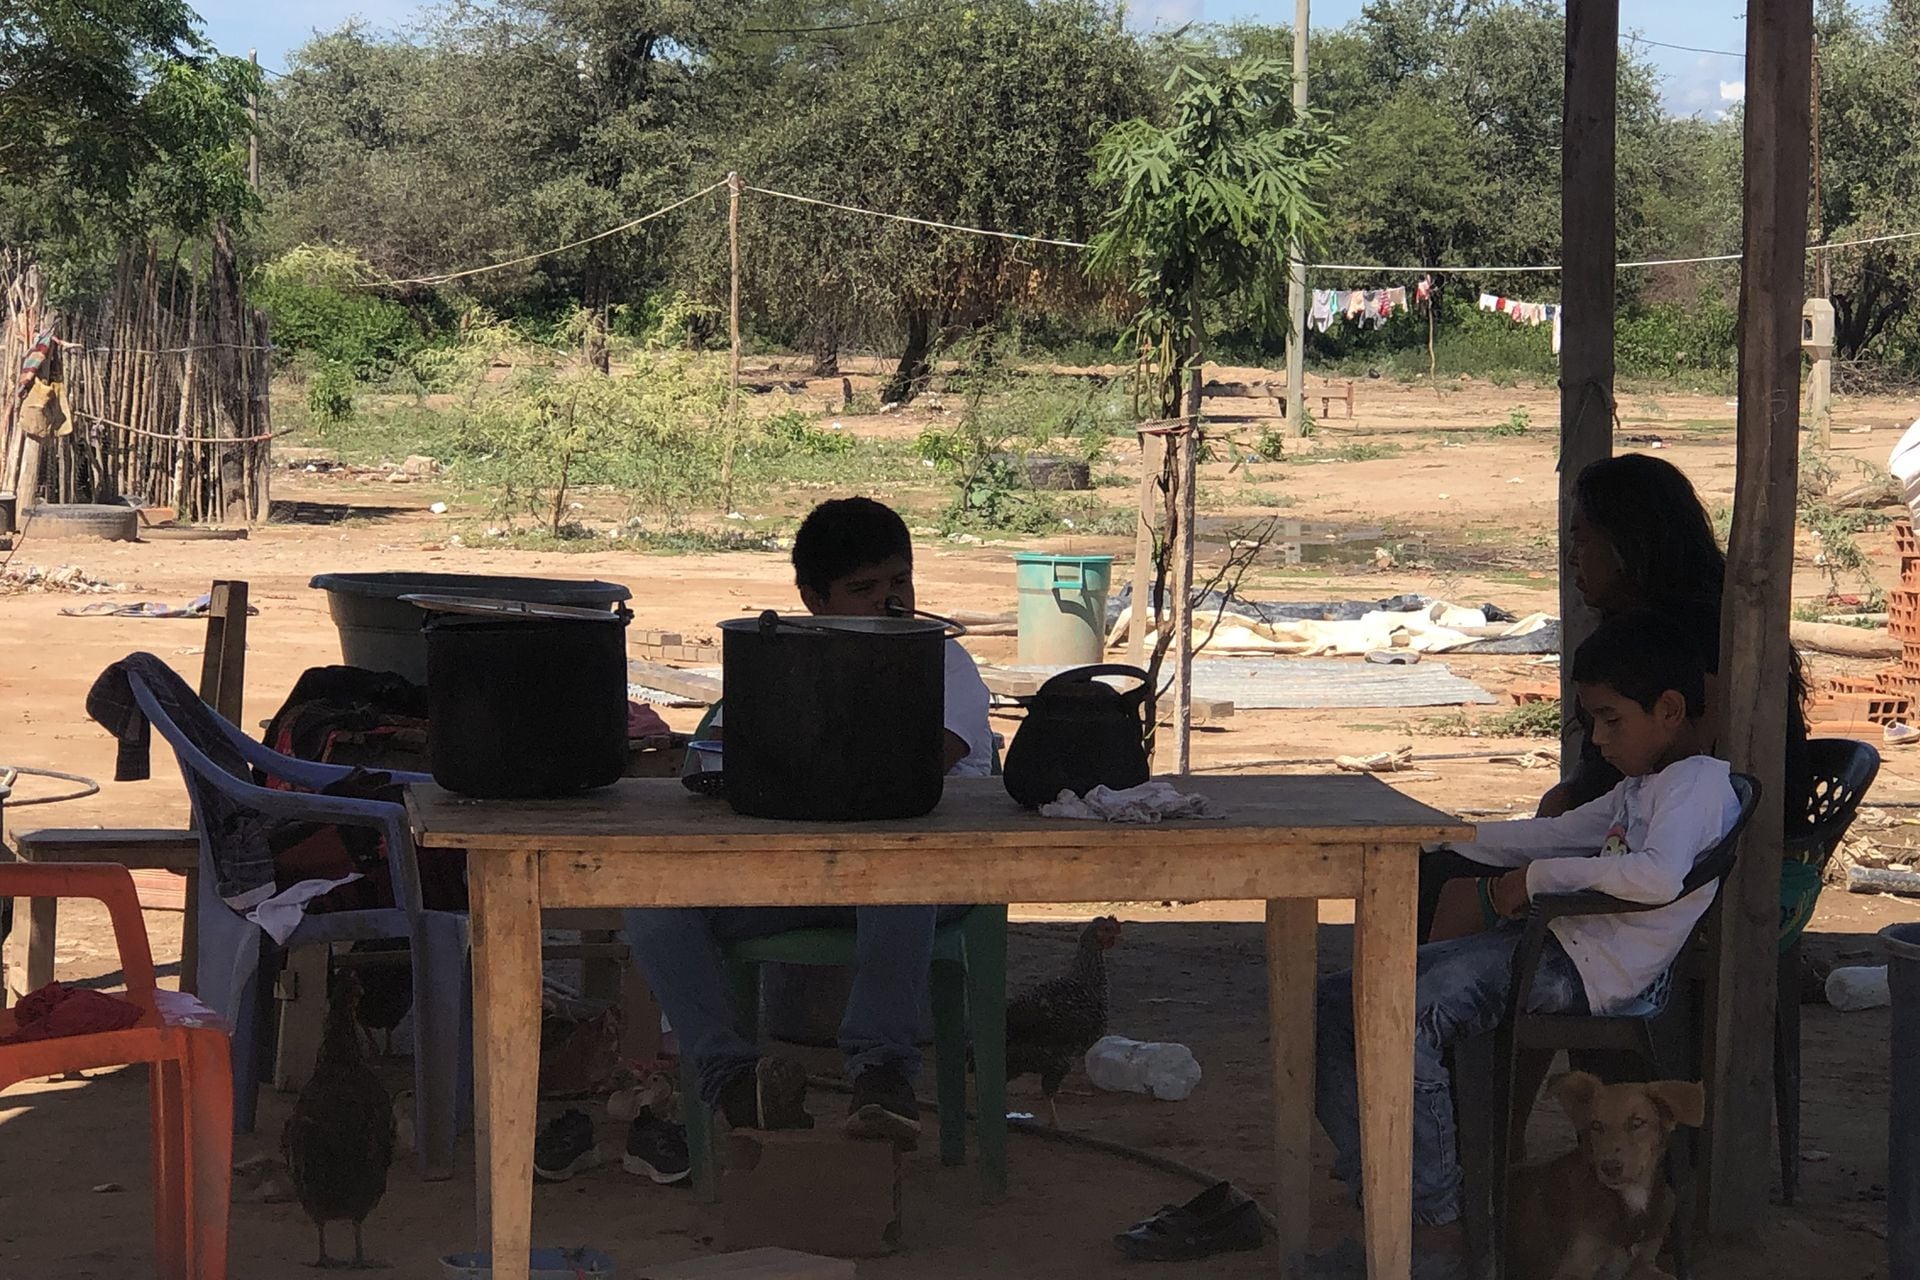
1287,840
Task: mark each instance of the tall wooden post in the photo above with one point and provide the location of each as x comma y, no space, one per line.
1297,267
733,332
1754,616
733,301
1586,292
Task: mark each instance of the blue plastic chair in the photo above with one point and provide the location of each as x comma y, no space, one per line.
239,961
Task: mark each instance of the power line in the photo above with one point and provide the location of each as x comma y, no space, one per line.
1684,48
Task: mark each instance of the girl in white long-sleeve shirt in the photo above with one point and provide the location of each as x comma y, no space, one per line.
1646,692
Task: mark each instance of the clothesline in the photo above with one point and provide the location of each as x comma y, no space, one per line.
84,349
177,438
1059,242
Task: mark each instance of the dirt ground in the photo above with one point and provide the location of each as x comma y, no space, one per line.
1468,515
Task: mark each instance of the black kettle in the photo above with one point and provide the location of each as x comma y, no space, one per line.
1079,734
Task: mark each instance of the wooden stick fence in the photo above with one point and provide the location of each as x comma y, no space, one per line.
166,378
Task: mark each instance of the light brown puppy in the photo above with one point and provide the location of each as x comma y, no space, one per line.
1602,1211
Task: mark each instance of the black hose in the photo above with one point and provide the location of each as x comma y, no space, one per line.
88,787
1034,1129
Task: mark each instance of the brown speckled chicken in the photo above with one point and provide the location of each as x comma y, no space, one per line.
339,1140
1051,1026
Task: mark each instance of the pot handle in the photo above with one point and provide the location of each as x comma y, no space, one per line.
895,609
1086,675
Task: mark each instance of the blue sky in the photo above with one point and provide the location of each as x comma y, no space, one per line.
1694,82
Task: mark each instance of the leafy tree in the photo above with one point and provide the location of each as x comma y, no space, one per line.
979,115
115,118
1869,117
1205,206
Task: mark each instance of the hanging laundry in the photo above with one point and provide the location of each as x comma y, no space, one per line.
1489,303
1396,300
1356,304
1321,317
1423,292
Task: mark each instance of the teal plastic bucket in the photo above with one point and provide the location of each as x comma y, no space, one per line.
1063,608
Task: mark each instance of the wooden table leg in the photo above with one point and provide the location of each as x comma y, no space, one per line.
1291,966
43,915
505,893
1385,921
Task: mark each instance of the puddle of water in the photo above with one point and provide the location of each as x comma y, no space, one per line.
1297,542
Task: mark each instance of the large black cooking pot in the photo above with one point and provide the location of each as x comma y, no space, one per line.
834,719
525,701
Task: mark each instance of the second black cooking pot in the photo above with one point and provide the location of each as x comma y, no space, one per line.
834,719
525,701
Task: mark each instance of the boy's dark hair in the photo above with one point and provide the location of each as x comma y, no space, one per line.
843,535
1641,655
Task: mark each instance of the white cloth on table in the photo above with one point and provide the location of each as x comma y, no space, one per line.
1148,802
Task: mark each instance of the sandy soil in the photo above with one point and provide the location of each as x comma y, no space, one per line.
1472,515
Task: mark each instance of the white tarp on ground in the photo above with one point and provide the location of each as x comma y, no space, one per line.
1437,628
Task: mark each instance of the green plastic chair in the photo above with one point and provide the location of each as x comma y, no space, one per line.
969,996
969,982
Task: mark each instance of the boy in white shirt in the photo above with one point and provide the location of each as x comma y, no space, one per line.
852,557
1644,687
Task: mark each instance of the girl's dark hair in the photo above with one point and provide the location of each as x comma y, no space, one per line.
844,535
1642,655
1647,509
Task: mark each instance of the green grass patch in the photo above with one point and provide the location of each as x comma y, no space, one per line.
1531,720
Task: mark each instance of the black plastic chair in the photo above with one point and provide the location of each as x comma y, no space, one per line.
1843,770
1498,1077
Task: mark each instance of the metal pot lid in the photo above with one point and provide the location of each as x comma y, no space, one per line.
513,610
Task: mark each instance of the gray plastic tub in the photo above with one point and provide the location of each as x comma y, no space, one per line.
544,1264
381,632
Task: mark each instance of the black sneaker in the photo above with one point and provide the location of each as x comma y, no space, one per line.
565,1147
773,1095
656,1150
883,1109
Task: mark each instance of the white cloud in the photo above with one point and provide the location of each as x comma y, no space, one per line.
1733,90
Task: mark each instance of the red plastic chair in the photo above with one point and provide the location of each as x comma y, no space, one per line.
184,1044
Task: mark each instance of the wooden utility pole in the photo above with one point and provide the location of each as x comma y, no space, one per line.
1823,279
1756,605
733,302
733,333
1586,293
253,126
1297,266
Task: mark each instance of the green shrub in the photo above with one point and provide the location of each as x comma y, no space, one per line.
330,394
313,301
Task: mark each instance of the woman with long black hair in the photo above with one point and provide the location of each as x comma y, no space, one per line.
1640,540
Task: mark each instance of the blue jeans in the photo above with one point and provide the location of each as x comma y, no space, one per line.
1462,991
680,951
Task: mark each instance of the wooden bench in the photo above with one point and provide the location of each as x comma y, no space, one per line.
223,675
134,848
1328,397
